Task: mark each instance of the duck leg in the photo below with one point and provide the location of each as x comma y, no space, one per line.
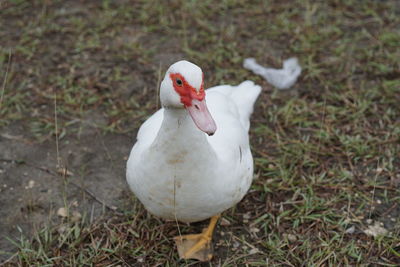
197,246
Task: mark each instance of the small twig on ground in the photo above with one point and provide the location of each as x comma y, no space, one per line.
15,138
54,173
112,208
9,259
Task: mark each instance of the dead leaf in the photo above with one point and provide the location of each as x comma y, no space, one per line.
376,230
76,216
225,222
63,171
254,251
62,212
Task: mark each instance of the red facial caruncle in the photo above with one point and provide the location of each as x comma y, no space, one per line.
186,92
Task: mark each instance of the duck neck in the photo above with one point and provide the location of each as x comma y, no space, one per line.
179,133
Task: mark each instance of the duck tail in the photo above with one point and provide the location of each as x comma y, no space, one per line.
245,95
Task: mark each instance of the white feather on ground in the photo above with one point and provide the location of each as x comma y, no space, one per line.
280,78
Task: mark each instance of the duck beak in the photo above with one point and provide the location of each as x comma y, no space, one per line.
202,117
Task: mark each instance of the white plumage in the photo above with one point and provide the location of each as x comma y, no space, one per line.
179,172
280,78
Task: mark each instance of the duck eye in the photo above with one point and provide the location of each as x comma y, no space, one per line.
179,82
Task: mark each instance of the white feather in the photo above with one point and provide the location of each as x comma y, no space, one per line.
280,78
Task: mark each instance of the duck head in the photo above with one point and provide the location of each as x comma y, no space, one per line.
182,88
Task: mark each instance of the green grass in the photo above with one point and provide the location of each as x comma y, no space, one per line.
324,152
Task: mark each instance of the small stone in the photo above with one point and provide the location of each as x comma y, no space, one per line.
271,166
246,217
350,230
378,201
31,184
292,237
379,170
369,221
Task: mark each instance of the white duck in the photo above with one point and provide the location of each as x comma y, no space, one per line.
192,160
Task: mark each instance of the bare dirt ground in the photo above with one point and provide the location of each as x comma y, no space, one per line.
79,77
32,191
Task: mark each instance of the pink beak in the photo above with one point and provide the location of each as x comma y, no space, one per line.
202,117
